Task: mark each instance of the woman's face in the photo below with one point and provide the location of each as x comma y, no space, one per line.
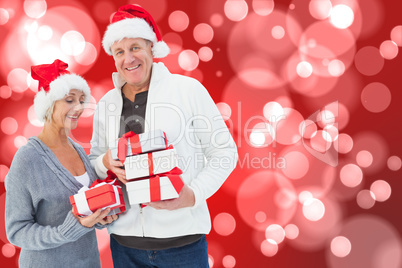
67,110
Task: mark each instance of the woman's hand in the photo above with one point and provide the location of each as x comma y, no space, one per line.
98,216
115,166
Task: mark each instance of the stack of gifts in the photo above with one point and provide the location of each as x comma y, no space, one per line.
101,194
151,166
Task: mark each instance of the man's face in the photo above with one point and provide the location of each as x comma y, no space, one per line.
133,60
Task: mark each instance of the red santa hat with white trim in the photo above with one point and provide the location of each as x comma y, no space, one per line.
55,82
131,21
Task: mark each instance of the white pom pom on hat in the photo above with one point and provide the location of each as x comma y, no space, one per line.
55,82
132,21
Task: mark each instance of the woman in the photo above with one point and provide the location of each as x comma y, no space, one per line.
45,172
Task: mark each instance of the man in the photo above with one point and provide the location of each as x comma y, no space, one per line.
147,97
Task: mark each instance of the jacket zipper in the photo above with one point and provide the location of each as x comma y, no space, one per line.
142,221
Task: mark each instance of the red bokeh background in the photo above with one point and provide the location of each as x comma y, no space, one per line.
248,53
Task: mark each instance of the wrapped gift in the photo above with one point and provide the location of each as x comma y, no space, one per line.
155,188
101,194
131,144
145,165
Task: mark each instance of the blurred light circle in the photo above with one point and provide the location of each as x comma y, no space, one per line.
178,21
257,138
304,69
224,224
273,111
369,61
203,33
364,158
344,143
304,196
394,163
263,7
205,54
260,216
4,16
8,250
313,209
275,232
188,60
389,49
224,110
5,92
376,97
341,246
9,125
342,16
307,128
331,133
174,41
336,68
20,141
45,32
229,261
88,55
297,165
291,231
211,261
257,194
278,32
35,8
17,80
216,20
351,175
32,117
236,10
287,128
321,141
320,9
381,190
365,199
269,248
3,172
72,43
396,35
262,135
325,118
376,243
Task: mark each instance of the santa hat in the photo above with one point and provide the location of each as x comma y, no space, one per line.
132,21
55,82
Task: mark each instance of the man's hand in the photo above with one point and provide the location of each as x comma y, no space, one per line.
115,166
186,199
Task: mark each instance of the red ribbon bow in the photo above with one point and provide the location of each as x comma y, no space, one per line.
134,144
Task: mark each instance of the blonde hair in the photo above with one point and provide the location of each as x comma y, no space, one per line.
49,113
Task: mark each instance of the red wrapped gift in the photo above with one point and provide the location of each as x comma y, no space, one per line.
160,187
102,194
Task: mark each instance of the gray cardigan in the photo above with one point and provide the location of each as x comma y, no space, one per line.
38,211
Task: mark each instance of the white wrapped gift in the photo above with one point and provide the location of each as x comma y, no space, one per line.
145,165
153,189
146,142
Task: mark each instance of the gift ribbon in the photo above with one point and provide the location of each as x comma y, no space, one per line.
80,198
155,185
135,145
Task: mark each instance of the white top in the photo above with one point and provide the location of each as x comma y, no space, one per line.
83,179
